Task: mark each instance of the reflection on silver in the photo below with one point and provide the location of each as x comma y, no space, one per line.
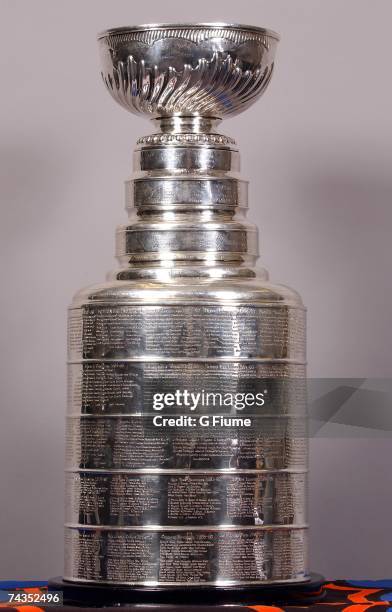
187,309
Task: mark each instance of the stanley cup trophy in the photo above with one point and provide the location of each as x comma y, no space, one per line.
187,451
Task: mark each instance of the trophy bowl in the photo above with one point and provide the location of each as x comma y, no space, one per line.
205,69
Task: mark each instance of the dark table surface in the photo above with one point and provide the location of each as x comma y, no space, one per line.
338,595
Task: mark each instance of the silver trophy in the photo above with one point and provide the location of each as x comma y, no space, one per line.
187,453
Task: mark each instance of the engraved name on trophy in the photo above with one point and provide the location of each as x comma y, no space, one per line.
187,454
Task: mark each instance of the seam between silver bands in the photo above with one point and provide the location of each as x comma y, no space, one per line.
163,528
189,471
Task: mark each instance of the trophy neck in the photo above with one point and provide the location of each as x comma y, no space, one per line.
187,124
187,205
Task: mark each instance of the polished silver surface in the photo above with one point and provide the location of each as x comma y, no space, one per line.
214,557
185,499
214,70
176,557
220,486
102,442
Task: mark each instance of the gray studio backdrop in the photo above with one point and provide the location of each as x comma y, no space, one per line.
321,192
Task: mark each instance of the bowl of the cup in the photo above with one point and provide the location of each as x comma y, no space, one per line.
213,70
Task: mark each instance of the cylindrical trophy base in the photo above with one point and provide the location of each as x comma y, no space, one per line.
81,594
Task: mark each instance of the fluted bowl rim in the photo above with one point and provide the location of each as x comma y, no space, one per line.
188,25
